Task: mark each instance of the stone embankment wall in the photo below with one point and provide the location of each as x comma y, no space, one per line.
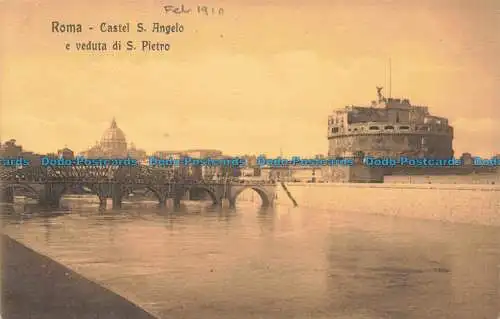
475,204
474,179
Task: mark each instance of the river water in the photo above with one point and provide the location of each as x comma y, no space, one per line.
203,262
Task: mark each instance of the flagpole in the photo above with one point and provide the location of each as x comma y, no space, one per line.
390,78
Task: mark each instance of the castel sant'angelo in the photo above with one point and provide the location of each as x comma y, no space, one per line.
389,127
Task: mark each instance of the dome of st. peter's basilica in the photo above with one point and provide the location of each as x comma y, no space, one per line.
113,144
113,141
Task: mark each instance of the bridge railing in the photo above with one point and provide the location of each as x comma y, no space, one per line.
54,175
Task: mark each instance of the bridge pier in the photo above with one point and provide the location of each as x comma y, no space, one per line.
116,202
177,202
169,202
102,203
162,197
163,202
225,203
49,197
116,196
7,195
49,202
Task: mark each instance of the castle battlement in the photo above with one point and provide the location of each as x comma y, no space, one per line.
389,127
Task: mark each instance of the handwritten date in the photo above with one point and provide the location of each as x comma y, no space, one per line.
201,10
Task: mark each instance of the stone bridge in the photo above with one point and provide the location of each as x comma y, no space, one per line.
49,186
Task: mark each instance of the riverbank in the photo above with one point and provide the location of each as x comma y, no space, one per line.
465,203
485,179
480,187
35,286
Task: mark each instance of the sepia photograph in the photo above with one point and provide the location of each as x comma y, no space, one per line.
319,159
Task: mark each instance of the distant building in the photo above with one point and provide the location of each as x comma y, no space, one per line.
113,144
467,159
168,154
200,171
251,169
306,174
202,153
10,149
248,172
66,153
136,153
251,160
217,171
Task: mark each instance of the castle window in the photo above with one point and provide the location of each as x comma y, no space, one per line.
374,128
389,127
335,130
404,127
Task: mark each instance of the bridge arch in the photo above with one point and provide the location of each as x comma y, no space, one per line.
12,187
265,197
206,189
77,188
148,190
140,189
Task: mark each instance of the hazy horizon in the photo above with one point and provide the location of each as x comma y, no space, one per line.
262,78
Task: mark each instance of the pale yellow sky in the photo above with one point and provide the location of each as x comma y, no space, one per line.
263,76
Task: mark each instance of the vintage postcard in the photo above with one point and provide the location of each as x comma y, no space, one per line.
250,159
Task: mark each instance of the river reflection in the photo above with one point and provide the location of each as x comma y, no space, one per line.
274,263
